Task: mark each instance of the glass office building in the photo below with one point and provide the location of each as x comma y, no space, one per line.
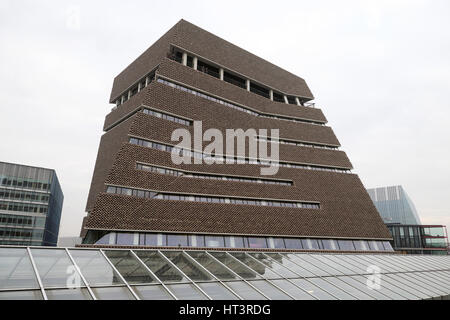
394,205
31,202
111,274
419,239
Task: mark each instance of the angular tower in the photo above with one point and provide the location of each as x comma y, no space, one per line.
139,197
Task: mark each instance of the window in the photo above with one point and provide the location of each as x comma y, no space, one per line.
259,90
177,240
346,245
214,241
254,242
125,239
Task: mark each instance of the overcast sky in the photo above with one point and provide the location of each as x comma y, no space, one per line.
380,70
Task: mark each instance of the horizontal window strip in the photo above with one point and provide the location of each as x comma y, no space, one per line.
211,199
236,107
229,159
299,143
188,174
166,116
240,242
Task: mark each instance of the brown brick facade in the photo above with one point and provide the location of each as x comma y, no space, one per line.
346,210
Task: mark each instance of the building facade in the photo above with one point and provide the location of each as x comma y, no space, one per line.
394,205
31,202
419,239
139,197
401,217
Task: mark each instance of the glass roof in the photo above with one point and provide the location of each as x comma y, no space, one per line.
116,274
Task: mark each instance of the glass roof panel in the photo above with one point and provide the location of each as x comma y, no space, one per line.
186,291
313,289
364,287
160,267
293,290
382,289
129,267
339,264
16,270
113,293
55,268
304,262
188,266
245,291
337,292
68,294
438,278
94,267
324,264
237,267
281,270
260,268
269,290
422,283
216,268
217,291
398,287
154,292
290,264
350,289
21,295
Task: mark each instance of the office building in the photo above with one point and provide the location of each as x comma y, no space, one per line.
31,202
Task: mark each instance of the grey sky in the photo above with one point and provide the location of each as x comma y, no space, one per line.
380,70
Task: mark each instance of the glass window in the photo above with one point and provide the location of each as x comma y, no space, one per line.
346,245
16,270
155,292
104,239
186,292
160,267
153,239
234,242
254,242
307,244
177,240
217,291
129,267
56,269
113,293
95,268
197,241
68,294
361,245
215,241
329,244
374,246
293,244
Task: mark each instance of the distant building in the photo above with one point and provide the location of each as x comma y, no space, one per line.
394,205
402,220
31,202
